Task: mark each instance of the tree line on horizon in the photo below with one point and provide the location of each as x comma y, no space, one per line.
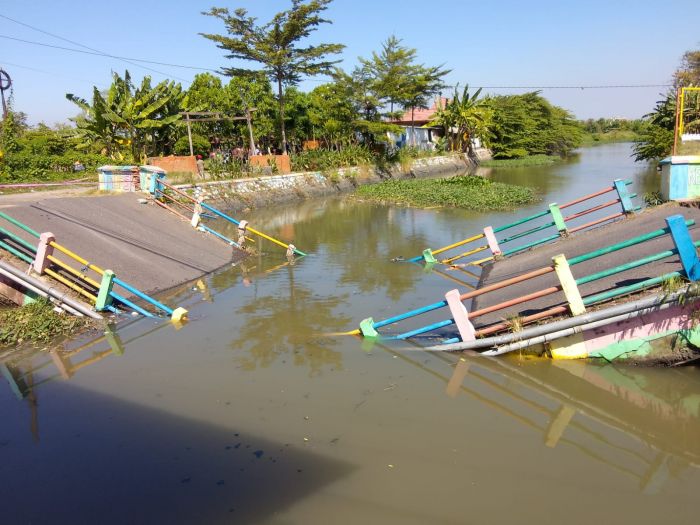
128,121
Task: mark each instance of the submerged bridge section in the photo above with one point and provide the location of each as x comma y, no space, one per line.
561,281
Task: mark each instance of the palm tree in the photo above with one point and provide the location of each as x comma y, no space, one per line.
464,118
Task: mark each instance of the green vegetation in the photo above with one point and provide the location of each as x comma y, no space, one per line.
608,130
464,119
36,323
41,153
529,125
354,155
532,160
346,119
276,46
656,140
470,192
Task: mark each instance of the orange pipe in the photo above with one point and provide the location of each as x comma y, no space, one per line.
513,302
162,204
178,191
507,282
593,223
527,319
591,210
586,197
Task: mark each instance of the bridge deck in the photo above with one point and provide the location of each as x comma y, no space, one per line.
577,244
146,246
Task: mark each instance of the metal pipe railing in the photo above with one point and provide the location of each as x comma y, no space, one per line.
536,273
531,218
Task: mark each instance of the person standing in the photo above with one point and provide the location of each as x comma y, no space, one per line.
200,167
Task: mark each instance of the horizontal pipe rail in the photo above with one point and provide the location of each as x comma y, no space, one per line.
141,295
611,294
597,221
492,329
465,254
513,302
256,232
16,252
17,239
220,236
527,219
163,205
19,224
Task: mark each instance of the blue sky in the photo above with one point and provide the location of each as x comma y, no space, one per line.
505,43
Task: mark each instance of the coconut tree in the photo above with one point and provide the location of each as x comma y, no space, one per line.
464,118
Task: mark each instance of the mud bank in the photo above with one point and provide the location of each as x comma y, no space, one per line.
270,190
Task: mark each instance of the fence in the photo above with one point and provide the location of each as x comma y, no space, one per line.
562,225
677,228
192,210
98,289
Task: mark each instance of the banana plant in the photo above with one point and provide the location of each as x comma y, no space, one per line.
141,119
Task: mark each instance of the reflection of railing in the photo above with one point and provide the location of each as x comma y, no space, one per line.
100,292
499,384
194,208
677,228
558,222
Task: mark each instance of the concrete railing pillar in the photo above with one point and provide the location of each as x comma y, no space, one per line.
43,250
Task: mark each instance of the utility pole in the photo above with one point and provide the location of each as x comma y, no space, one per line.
5,85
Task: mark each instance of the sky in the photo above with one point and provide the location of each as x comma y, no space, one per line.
506,44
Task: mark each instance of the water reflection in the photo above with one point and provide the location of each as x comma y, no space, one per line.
289,322
641,422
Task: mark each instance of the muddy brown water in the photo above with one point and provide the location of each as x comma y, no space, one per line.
255,413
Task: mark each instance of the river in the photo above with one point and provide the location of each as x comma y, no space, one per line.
254,412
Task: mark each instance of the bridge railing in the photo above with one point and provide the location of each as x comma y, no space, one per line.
194,207
575,304
563,225
98,290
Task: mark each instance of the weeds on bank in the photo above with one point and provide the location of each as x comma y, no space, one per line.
37,323
470,192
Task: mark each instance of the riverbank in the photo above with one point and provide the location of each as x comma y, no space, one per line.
261,192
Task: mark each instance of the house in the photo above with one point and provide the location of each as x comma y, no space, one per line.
417,131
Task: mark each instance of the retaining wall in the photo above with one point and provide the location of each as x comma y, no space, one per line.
179,164
263,191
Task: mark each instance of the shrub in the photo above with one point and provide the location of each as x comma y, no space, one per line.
200,145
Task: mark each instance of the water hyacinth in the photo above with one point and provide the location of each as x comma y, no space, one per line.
469,192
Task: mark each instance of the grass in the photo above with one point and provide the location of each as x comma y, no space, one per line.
469,192
36,323
624,135
531,160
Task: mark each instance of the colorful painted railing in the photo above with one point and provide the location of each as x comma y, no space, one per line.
194,208
43,260
561,224
677,227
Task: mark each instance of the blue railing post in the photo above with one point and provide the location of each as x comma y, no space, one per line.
684,244
625,197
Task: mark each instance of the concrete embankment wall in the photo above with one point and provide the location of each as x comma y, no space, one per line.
273,189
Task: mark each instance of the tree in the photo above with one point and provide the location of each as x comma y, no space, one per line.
331,114
396,78
390,71
139,118
529,124
275,45
657,136
463,119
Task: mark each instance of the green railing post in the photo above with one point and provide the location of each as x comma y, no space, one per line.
558,219
625,197
104,295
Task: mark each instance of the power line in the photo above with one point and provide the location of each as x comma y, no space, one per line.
95,51
169,64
